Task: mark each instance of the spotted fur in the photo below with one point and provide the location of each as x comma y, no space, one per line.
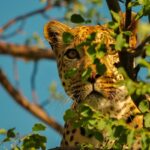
101,92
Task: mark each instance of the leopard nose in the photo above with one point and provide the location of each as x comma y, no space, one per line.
93,77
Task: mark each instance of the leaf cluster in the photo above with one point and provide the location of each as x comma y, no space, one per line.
98,125
32,141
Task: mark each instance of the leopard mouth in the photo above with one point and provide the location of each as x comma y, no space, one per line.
94,94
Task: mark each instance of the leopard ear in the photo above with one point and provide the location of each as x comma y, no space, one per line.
53,32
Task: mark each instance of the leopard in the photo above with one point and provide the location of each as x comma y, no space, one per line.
100,91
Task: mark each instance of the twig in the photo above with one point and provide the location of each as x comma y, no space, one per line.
15,32
26,52
127,19
139,49
33,76
34,109
128,15
22,17
15,71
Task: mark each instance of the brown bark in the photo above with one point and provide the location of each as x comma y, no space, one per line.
25,52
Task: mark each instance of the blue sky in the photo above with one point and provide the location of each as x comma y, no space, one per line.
11,114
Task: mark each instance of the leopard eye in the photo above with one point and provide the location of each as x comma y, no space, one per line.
72,53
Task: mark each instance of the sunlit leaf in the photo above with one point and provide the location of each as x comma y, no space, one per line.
101,51
145,139
147,120
38,127
144,106
86,73
67,37
34,141
115,16
69,73
130,138
69,114
120,42
113,25
3,131
147,50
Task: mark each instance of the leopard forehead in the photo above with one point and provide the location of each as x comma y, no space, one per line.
83,32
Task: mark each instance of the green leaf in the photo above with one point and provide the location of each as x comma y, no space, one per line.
101,51
115,16
77,18
11,133
113,25
145,139
139,14
120,132
86,111
144,106
38,127
101,68
133,4
120,42
147,50
91,50
147,120
91,37
67,37
147,8
99,136
70,73
34,141
130,138
16,148
143,62
86,73
69,114
127,33
3,131
6,139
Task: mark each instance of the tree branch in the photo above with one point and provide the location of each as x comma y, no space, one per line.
127,15
22,17
113,6
33,108
25,52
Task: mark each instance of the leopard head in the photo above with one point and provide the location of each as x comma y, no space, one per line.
78,64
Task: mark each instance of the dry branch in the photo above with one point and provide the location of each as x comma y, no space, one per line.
25,52
33,108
